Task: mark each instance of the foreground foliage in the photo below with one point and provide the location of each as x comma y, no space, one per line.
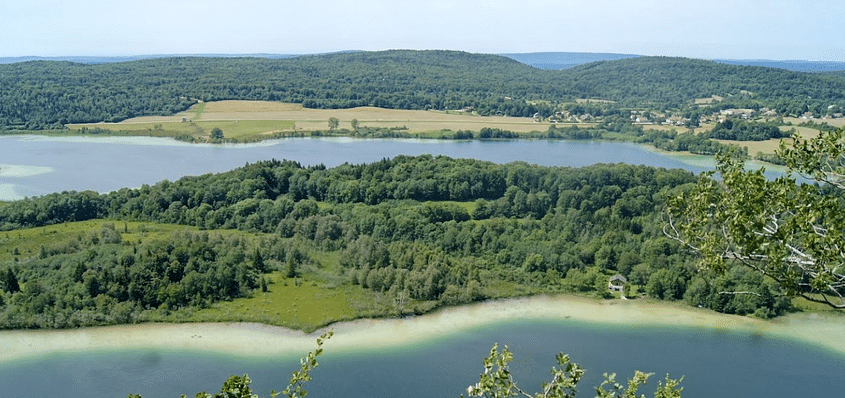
495,382
790,232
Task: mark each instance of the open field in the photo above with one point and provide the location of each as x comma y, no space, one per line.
678,129
254,120
766,147
304,303
241,130
770,146
839,122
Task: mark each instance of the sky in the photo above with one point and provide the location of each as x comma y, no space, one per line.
714,29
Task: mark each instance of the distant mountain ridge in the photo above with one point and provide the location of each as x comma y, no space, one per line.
50,94
793,65
564,60
541,60
128,58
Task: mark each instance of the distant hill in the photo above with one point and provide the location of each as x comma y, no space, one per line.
540,60
49,94
112,59
661,81
564,60
797,66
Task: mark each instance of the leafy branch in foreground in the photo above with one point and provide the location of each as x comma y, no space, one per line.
497,381
791,232
303,375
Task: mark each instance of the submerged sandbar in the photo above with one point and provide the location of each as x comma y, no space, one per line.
250,339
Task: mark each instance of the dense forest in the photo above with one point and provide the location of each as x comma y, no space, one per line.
48,94
426,230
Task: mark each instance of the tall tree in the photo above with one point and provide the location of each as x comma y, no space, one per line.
333,123
217,133
786,230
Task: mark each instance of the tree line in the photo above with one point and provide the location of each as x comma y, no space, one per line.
738,130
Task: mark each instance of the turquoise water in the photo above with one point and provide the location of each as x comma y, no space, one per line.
715,364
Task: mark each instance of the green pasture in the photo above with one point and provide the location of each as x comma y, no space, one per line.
236,130
302,303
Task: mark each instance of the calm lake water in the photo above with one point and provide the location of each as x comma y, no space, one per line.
716,364
105,164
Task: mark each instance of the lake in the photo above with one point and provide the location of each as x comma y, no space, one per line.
715,363
37,165
724,364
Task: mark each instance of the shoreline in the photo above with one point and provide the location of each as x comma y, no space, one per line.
259,340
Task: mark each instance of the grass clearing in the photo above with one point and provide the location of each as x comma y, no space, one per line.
767,147
254,120
240,130
28,241
302,303
770,146
838,122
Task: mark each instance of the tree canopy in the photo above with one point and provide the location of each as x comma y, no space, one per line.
788,230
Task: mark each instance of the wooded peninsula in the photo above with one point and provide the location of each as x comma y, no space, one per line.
395,237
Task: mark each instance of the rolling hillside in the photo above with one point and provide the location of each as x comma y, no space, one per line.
48,94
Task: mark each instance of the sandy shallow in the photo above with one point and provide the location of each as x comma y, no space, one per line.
12,170
249,339
9,192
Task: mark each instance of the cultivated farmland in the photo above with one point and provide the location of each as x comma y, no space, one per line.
254,120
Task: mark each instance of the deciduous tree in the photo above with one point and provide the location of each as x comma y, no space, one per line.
216,133
789,231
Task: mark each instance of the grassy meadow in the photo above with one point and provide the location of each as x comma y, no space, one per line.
256,120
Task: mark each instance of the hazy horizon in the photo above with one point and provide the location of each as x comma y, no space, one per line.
288,55
749,30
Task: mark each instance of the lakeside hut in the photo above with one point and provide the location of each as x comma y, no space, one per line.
617,283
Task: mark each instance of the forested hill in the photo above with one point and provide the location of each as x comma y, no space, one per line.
49,94
663,81
564,60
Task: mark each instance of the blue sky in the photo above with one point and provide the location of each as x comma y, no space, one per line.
738,29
